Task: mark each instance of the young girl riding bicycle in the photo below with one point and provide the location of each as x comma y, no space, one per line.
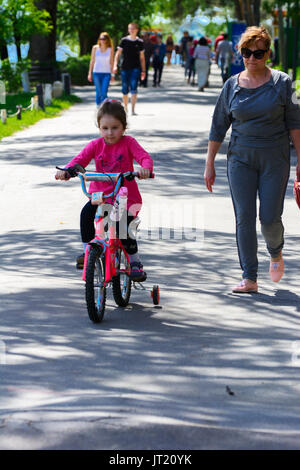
113,152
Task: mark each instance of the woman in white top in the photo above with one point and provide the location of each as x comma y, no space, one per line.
202,56
101,65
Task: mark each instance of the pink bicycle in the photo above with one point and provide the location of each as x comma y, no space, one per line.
106,262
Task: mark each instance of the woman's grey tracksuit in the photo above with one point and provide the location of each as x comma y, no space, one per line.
258,159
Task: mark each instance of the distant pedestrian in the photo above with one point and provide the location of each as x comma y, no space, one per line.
219,38
101,65
149,47
183,47
170,48
202,56
133,66
158,60
224,55
258,104
191,66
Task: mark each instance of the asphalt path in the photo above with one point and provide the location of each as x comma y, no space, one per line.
206,369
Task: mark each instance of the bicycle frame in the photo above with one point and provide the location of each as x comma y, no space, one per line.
108,246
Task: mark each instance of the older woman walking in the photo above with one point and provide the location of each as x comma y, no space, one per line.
259,105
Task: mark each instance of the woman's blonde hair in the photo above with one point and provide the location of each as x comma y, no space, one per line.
252,35
107,37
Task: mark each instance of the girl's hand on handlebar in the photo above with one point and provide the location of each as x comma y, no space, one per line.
144,173
62,175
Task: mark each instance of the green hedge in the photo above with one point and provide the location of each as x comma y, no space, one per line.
78,68
11,74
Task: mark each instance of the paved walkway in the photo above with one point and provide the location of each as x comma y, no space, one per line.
204,370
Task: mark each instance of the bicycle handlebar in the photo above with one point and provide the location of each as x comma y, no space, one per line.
78,170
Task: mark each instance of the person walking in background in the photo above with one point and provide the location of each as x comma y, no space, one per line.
219,38
258,103
170,48
202,57
158,60
149,47
183,47
101,65
224,55
191,67
133,65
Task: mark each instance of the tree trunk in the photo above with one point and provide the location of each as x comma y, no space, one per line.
256,12
296,41
239,10
87,40
3,52
281,38
43,48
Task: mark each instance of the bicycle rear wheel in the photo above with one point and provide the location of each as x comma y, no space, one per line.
95,291
121,284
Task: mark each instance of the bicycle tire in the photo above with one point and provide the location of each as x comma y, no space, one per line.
155,295
121,284
95,267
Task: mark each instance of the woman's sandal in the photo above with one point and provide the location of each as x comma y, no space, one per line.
246,286
276,270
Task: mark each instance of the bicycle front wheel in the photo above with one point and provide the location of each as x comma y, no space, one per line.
121,284
95,290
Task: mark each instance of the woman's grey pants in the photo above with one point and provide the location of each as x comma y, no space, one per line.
264,171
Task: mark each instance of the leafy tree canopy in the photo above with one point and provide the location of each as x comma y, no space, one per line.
19,19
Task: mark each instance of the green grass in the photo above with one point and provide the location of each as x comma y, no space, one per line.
13,124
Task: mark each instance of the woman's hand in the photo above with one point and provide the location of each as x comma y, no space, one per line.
144,173
62,175
209,176
90,77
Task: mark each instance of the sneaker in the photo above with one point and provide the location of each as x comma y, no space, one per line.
137,273
80,261
246,286
276,270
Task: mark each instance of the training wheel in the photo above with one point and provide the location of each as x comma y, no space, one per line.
155,295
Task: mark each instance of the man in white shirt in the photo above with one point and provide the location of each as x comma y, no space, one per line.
224,54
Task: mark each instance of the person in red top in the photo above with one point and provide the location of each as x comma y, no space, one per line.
113,152
218,39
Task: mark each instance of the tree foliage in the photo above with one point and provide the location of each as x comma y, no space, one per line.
89,17
19,20
244,10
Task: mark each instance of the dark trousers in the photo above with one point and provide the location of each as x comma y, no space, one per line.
144,82
158,66
87,228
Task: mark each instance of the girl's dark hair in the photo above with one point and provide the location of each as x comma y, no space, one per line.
203,41
113,108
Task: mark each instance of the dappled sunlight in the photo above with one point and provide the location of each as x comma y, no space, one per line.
205,361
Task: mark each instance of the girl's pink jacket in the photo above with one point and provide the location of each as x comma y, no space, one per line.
115,158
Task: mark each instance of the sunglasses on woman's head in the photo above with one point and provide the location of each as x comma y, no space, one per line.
258,54
103,39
